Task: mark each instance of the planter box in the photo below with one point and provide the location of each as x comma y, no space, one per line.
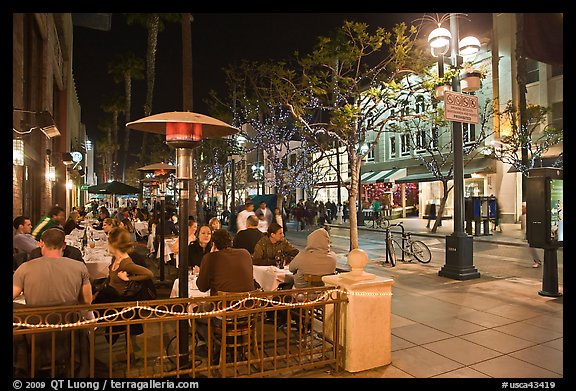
470,82
439,90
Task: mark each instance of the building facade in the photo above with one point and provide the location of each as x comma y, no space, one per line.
49,154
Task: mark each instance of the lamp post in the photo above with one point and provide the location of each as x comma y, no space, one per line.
258,174
459,245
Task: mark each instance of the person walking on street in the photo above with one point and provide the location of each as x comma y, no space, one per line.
536,262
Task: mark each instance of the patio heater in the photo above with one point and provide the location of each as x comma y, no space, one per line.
184,131
161,173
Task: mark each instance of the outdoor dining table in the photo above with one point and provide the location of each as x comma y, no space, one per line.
97,259
270,277
193,290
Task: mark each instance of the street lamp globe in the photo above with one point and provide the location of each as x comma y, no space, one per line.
469,46
439,41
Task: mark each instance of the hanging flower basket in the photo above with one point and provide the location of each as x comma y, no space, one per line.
470,81
439,90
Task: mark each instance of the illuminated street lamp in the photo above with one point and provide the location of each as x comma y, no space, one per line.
459,252
258,174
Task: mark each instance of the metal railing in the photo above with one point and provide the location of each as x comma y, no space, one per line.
259,334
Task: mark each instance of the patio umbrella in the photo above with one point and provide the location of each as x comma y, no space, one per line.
113,187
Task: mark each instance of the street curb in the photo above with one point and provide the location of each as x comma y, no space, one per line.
441,236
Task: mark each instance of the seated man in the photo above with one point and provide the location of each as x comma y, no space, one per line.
22,240
56,217
224,269
69,251
53,279
316,259
273,245
247,238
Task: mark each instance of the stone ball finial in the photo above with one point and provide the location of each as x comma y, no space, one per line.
358,259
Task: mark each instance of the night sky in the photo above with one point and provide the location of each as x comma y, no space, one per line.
217,41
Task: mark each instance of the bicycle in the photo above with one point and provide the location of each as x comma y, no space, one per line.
379,220
409,246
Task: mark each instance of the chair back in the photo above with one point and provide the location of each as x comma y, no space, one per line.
314,280
18,259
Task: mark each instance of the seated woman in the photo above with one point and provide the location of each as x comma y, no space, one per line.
72,222
122,269
109,224
201,246
127,224
214,224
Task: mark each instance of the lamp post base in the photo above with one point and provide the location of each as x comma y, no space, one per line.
550,274
459,258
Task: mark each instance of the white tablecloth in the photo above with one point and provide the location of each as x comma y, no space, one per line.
169,246
141,228
97,261
192,289
269,277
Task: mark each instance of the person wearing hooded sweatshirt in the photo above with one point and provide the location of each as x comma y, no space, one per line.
317,258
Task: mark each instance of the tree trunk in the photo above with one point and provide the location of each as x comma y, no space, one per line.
353,197
440,211
150,75
128,92
114,145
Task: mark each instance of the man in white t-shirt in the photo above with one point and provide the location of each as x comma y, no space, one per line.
243,215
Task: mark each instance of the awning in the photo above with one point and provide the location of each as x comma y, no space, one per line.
555,162
363,177
385,176
476,166
429,177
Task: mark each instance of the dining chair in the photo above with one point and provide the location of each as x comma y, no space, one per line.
18,258
237,333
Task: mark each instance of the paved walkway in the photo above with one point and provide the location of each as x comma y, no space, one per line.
495,326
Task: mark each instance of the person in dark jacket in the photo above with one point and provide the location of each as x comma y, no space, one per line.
247,238
200,247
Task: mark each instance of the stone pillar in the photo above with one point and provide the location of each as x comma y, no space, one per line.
365,319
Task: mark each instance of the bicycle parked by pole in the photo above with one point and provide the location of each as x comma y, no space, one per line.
396,250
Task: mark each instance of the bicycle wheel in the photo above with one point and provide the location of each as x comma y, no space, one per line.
391,251
384,222
398,251
421,251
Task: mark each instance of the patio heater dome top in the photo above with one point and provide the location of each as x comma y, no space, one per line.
183,128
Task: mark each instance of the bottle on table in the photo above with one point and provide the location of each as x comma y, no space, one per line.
84,239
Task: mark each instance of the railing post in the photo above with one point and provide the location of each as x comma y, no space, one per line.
366,316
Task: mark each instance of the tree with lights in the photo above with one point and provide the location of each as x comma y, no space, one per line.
427,136
347,87
209,167
288,153
536,139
